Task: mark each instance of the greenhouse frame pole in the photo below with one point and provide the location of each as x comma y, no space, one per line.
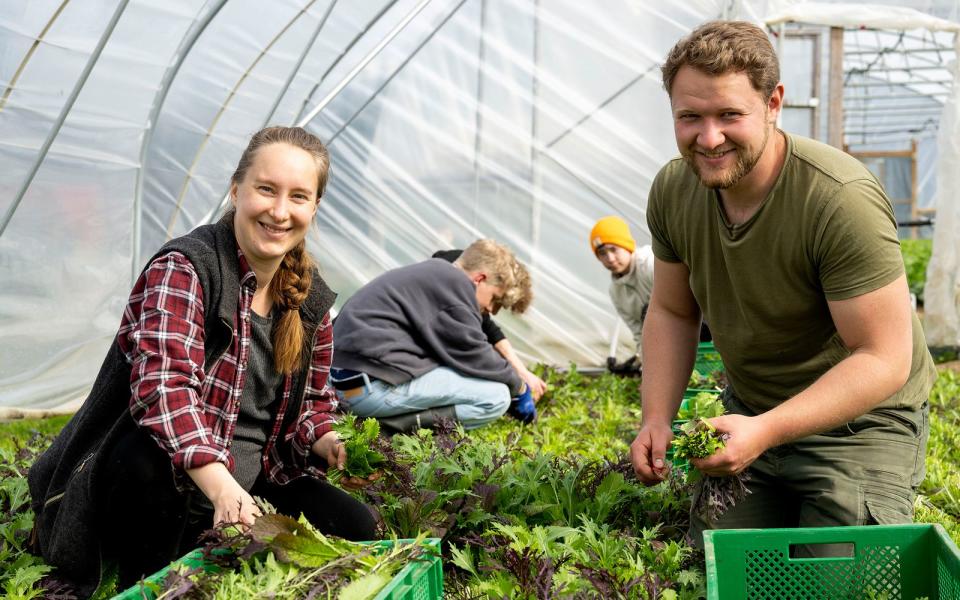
345,51
366,60
478,115
602,105
535,174
835,94
186,45
212,215
26,57
347,78
223,109
303,56
74,94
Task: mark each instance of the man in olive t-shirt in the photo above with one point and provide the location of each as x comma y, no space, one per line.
789,247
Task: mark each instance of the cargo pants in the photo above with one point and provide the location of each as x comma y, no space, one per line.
864,472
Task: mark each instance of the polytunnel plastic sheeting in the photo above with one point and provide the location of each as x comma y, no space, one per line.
942,291
514,119
522,121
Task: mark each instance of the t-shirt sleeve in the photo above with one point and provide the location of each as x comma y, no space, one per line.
663,247
857,250
491,330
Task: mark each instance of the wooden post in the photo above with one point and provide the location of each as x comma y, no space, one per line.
914,213
835,114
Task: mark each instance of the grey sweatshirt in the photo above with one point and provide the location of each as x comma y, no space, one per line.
411,320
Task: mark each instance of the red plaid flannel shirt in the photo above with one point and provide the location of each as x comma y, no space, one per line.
192,414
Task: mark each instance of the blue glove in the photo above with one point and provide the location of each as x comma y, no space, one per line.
522,407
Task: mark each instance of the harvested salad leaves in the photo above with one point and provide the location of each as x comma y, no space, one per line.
697,439
712,496
359,441
284,558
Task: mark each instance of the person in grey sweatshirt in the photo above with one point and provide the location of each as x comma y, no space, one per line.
409,348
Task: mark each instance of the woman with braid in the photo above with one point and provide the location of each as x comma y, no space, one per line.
214,390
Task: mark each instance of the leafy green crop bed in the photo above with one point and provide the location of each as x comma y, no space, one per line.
541,511
916,256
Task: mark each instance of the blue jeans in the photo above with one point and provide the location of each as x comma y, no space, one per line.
476,401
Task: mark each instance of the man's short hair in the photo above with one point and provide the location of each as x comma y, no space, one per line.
721,47
503,270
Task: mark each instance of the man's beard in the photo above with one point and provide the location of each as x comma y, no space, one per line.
730,177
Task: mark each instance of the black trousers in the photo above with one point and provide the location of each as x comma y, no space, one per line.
145,522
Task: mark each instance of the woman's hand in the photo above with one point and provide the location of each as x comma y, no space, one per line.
231,503
354,483
234,505
331,449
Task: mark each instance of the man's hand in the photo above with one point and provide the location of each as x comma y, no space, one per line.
748,439
537,386
331,449
522,407
631,366
648,453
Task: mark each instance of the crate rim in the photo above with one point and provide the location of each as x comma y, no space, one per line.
194,556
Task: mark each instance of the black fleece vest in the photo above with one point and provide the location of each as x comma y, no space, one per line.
63,481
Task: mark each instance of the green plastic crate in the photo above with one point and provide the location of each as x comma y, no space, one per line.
898,562
418,580
691,392
708,359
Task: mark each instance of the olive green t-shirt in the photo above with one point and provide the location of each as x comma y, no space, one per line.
825,232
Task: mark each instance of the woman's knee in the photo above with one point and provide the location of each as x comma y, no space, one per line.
328,508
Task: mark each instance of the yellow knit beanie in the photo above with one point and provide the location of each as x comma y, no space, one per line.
611,230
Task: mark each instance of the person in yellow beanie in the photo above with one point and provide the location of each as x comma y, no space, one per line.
631,283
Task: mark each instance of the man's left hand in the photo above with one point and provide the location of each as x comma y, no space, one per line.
748,439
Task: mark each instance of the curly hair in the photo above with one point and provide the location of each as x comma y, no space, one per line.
503,270
720,47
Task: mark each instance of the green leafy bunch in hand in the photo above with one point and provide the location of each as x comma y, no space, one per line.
714,495
697,439
359,440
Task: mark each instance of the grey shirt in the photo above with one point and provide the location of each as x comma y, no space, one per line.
414,319
259,394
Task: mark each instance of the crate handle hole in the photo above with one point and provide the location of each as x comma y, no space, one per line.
831,550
